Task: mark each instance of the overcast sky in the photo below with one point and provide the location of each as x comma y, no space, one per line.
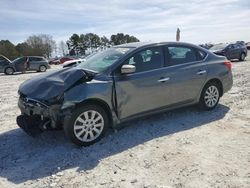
200,21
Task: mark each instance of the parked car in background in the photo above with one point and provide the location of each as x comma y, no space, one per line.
206,45
248,45
27,63
64,59
54,61
119,84
72,63
231,51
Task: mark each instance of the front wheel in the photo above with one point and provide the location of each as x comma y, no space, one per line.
210,96
87,125
9,71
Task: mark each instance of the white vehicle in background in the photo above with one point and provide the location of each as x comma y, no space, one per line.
75,62
72,63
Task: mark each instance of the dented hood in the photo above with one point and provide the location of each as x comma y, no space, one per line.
49,85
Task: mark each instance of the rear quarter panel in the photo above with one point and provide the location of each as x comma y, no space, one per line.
216,69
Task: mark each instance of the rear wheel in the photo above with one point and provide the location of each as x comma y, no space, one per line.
87,125
9,71
242,57
210,96
42,68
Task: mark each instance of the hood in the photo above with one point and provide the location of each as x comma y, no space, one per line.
9,61
49,85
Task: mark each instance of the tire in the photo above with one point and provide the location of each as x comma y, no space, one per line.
242,56
87,125
210,96
42,68
9,71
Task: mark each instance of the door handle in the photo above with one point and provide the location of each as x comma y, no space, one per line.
163,79
201,72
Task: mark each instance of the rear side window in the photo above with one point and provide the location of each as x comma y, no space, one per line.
176,55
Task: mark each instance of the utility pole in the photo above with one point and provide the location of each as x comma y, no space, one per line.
178,35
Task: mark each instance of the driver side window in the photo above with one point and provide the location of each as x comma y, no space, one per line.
148,59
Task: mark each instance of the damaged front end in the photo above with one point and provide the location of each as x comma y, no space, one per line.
41,100
36,116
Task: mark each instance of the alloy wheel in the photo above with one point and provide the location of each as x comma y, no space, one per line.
211,96
88,126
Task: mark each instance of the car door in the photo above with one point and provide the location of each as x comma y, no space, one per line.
20,64
238,51
145,89
34,63
187,73
233,51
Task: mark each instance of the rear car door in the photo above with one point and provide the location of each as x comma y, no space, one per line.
233,51
186,71
145,89
34,63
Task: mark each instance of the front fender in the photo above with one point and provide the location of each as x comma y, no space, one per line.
93,90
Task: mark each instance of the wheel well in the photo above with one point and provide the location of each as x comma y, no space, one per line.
218,82
7,68
100,103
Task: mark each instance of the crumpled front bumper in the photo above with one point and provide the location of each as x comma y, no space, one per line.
36,116
32,107
30,124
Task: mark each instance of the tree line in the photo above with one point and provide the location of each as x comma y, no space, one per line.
37,45
45,45
83,43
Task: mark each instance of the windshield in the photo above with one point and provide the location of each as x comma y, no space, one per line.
218,47
102,60
17,59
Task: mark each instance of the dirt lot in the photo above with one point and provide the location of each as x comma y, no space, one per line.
181,148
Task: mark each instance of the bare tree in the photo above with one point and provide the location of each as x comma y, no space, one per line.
42,45
63,48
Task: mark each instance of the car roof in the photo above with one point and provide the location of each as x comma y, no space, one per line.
30,56
144,44
35,56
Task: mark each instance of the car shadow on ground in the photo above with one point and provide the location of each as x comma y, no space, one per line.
23,158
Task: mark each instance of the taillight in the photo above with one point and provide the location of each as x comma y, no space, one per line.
228,64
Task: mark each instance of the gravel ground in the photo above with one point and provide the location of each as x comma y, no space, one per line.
181,148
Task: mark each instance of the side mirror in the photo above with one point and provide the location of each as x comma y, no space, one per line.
127,69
